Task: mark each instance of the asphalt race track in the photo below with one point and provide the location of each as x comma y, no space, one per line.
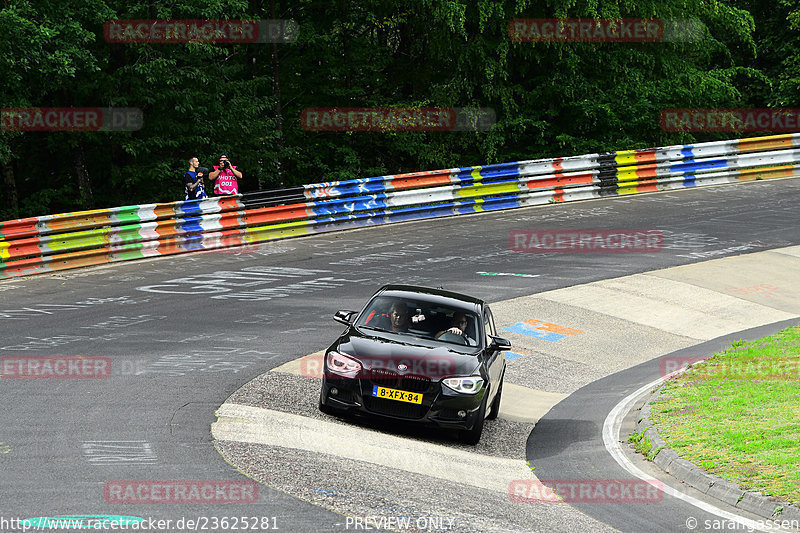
182,334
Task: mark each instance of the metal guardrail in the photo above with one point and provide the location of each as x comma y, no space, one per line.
71,240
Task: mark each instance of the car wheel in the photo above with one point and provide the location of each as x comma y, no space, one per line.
473,436
494,410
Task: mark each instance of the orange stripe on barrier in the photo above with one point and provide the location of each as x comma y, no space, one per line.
231,220
21,227
768,172
647,186
645,156
560,181
36,265
229,204
78,221
416,182
646,171
164,211
771,142
23,248
166,228
275,214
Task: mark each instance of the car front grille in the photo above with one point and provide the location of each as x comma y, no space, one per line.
406,382
394,408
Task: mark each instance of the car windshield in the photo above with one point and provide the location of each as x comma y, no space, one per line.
409,317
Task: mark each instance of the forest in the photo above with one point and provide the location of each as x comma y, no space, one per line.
254,99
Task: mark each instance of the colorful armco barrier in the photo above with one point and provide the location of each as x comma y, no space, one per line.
57,242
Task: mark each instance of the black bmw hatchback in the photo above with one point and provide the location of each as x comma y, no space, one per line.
417,354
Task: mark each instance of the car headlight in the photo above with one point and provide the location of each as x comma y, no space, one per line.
470,385
342,365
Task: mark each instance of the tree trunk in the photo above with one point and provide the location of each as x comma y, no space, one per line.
10,187
82,176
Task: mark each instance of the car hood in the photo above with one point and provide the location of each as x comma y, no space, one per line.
435,362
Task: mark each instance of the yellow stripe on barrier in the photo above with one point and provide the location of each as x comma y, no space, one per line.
770,142
626,158
4,250
487,190
627,174
476,174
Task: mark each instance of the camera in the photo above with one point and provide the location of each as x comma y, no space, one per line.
202,170
226,164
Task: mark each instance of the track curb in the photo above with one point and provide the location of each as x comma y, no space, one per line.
712,485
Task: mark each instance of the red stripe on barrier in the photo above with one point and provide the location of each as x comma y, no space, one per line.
560,180
231,220
645,156
647,171
15,229
23,248
415,183
282,213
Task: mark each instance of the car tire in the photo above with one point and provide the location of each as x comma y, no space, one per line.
494,410
473,436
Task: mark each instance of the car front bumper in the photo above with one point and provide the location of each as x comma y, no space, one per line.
440,406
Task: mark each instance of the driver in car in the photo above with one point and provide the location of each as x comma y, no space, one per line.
399,317
458,325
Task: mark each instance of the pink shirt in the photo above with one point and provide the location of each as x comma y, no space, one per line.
226,182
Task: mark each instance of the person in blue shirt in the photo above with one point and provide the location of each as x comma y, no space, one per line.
193,180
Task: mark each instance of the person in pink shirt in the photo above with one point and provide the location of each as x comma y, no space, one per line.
225,177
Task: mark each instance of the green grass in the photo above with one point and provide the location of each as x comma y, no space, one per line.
643,445
737,415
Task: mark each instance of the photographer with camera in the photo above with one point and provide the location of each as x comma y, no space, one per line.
193,180
225,177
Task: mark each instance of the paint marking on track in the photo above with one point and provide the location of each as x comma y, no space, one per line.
243,423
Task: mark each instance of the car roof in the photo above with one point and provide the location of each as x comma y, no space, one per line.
431,295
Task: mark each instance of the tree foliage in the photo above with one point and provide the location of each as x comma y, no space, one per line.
550,99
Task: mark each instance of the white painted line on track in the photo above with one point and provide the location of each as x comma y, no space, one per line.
242,423
611,431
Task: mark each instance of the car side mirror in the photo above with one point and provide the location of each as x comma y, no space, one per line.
499,343
344,317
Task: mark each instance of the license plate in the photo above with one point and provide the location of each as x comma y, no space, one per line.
399,395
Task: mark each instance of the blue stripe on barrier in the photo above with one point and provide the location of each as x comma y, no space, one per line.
191,224
348,205
190,207
694,166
